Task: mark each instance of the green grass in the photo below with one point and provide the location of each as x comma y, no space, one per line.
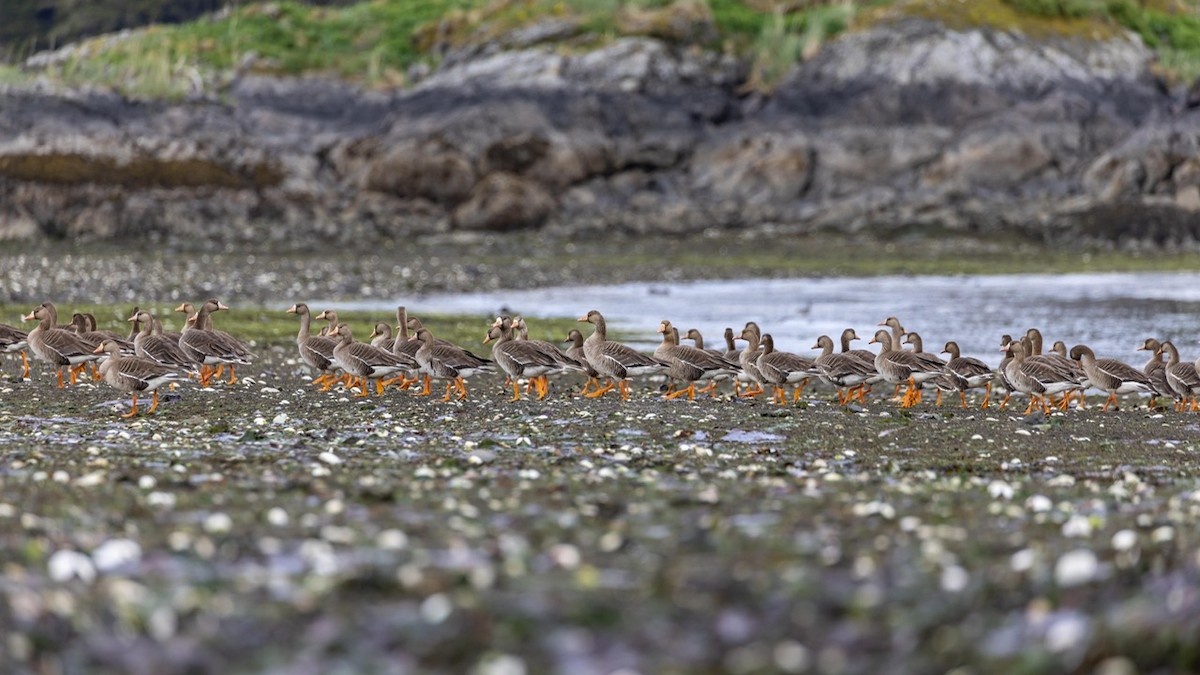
375,42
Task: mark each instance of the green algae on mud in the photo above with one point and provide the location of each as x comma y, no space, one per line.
268,525
108,273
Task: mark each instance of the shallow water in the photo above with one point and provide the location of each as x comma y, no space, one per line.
1111,312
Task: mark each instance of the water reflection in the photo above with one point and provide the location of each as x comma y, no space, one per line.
1111,312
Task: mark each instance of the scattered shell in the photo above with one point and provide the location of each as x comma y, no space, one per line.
1076,567
116,553
66,564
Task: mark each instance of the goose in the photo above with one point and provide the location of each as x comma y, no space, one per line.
59,348
1110,375
524,358
133,374
315,350
964,372
446,362
732,353
520,332
848,336
783,368
1156,370
239,352
365,362
748,360
1037,379
697,339
15,341
381,336
575,352
897,366
1057,359
615,361
403,344
690,364
1182,378
157,348
83,324
898,332
205,346
930,360
1002,370
844,370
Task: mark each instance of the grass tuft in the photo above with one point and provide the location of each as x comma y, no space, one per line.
376,42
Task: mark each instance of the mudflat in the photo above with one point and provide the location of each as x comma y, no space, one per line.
271,527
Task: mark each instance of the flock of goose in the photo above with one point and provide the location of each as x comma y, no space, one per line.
148,358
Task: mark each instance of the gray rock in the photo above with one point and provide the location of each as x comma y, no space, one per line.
905,128
504,201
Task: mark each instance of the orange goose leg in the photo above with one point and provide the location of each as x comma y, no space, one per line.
796,392
25,365
987,397
1069,395
461,386
707,389
963,395
751,393
516,391
608,386
1033,399
427,389
938,400
623,387
1112,398
910,396
153,403
58,371
690,391
449,388
132,410
232,374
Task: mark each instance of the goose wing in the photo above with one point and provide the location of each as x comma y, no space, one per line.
66,345
138,374
1122,372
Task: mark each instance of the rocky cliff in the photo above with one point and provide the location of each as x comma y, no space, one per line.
908,127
